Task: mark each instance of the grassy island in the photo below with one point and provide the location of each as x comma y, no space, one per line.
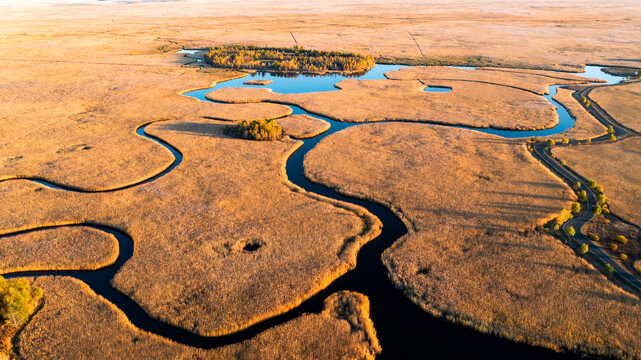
295,59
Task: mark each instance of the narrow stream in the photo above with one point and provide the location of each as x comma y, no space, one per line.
405,331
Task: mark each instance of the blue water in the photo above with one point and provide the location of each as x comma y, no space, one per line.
305,83
437,89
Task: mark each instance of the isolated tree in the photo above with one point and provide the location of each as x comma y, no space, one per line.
570,231
576,207
562,162
17,301
584,248
598,188
583,196
592,236
609,269
576,186
622,239
591,184
612,137
600,199
550,142
613,246
596,209
610,129
565,140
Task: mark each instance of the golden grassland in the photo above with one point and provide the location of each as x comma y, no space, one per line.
88,327
192,227
622,102
469,104
532,80
554,34
585,125
471,204
66,248
616,166
70,122
303,126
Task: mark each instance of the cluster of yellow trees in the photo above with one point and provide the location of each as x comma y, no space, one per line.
263,130
286,59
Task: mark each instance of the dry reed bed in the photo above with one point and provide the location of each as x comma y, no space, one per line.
622,102
67,248
616,166
559,34
74,323
469,104
471,202
303,126
532,81
74,123
190,266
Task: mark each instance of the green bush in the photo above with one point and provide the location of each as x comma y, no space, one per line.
576,186
591,184
262,130
550,142
565,140
609,269
610,129
622,239
613,246
588,141
600,199
562,162
570,231
592,236
598,188
596,210
17,301
555,227
612,137
583,196
584,248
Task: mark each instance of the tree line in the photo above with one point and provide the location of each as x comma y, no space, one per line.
286,59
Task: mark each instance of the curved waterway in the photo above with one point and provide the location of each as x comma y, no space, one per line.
405,331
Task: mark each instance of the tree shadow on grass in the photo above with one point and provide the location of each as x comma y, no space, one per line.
198,128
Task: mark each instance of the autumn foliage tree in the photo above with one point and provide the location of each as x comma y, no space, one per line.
17,301
286,59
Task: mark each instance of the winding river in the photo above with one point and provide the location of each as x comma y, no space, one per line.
405,331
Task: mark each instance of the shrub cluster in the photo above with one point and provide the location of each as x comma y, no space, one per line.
286,59
263,130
